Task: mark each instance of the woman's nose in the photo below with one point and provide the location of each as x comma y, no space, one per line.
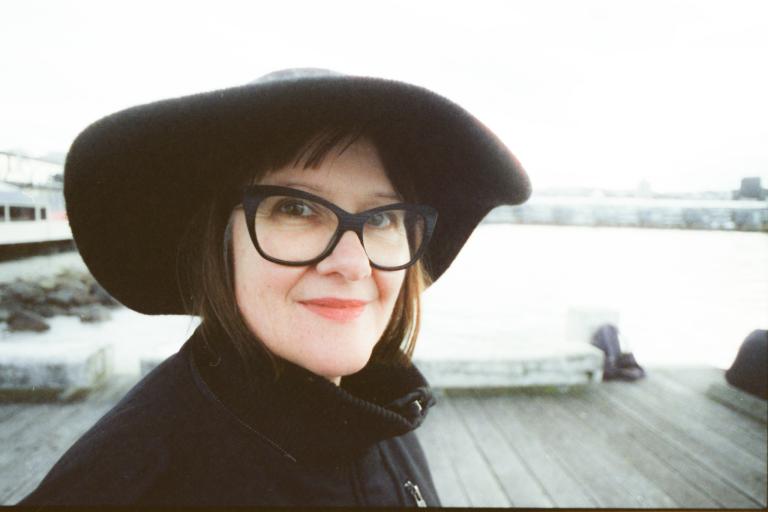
348,258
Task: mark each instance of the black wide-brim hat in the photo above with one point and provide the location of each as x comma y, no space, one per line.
134,180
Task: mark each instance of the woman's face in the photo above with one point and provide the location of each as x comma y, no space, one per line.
287,307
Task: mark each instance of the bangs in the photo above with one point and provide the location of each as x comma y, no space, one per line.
309,149
316,149
306,151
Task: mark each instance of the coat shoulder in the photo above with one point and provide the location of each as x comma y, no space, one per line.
122,456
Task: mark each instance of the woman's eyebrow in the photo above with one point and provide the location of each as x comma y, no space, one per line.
293,184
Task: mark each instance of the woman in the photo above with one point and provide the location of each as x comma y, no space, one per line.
298,217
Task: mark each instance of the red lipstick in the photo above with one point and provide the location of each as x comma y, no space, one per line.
339,310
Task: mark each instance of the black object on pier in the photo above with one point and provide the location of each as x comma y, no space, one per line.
749,371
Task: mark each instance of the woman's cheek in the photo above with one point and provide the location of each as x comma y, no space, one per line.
389,284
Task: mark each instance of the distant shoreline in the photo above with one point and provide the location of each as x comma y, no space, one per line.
635,212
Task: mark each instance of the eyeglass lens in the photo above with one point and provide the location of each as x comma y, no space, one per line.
296,229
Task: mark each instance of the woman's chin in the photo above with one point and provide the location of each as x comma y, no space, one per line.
337,368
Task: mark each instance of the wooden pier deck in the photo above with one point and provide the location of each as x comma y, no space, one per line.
679,438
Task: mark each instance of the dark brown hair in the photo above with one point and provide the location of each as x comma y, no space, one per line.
208,267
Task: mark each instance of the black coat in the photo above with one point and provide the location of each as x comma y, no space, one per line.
190,434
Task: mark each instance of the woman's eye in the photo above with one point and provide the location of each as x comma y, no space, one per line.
294,209
381,220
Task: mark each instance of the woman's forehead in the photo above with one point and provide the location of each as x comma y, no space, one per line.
356,171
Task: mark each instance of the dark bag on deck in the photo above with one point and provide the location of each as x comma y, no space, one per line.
617,364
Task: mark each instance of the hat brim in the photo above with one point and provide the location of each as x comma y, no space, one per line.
135,179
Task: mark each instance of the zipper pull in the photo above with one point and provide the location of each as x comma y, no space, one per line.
415,493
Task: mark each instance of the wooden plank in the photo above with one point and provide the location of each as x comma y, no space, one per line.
431,434
750,435
614,482
519,484
745,480
739,400
41,433
697,378
24,423
32,422
34,435
37,463
620,437
40,444
541,459
711,382
678,456
743,467
635,483
744,402
482,487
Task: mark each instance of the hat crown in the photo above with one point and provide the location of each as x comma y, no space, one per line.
282,75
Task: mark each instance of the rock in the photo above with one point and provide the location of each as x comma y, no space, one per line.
72,283
5,296
27,321
47,283
83,298
70,292
62,297
45,310
58,310
92,314
23,291
69,273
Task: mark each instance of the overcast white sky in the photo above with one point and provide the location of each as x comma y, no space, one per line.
586,93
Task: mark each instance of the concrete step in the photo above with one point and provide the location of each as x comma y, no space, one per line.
543,364
35,369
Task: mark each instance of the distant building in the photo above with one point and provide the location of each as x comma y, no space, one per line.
32,210
35,178
16,205
751,188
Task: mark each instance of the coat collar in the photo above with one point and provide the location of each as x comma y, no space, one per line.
309,418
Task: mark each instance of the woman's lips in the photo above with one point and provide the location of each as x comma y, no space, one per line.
340,310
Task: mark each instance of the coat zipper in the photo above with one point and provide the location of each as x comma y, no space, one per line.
413,489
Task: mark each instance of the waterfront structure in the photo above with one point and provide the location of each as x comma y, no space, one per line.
741,215
32,209
751,188
38,179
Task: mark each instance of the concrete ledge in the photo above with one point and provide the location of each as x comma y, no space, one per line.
564,367
43,370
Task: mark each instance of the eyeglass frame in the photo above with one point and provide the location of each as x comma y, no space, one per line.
253,195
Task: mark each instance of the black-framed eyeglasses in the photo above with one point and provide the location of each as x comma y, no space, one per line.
296,228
